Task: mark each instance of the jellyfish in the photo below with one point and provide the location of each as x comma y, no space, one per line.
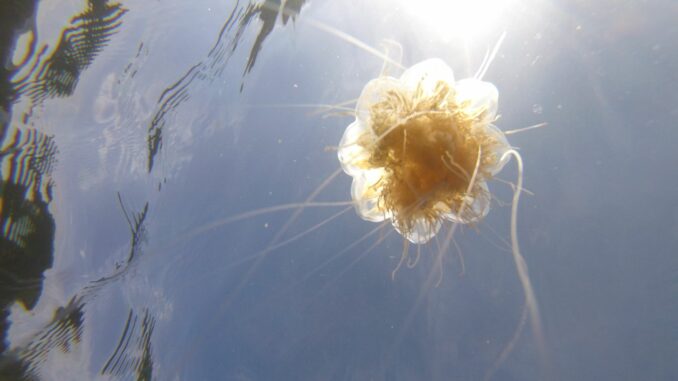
420,150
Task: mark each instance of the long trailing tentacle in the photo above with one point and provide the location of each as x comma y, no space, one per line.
509,347
486,63
523,129
254,213
386,66
521,266
403,258
354,41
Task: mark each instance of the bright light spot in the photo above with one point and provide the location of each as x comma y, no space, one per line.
452,19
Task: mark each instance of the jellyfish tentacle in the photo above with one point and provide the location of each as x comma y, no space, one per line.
462,206
331,259
340,109
255,213
309,199
483,68
452,165
387,66
483,63
324,109
404,121
347,248
513,186
508,349
302,234
403,257
251,257
460,255
258,212
353,41
362,255
523,129
412,264
285,11
281,232
519,260
336,256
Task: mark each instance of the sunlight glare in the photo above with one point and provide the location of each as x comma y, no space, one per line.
452,19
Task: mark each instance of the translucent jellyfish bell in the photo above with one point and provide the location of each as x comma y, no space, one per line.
427,74
422,148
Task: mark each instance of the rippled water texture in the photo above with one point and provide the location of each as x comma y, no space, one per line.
139,141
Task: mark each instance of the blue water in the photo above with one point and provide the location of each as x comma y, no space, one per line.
133,133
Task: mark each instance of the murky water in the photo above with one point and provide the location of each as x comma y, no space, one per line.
135,134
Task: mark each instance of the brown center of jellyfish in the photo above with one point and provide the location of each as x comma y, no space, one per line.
428,146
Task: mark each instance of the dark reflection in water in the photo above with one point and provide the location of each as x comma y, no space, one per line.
138,237
268,14
77,48
26,245
133,353
28,156
16,18
218,57
62,333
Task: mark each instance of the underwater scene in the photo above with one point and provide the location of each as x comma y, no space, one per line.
338,190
